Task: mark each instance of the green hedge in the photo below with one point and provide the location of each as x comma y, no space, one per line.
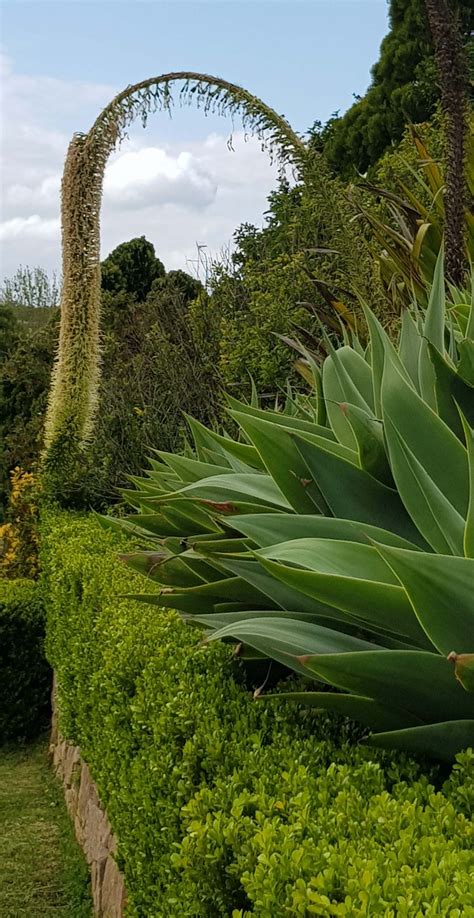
25,677
228,807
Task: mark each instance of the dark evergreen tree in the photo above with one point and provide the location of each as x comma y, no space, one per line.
404,88
131,268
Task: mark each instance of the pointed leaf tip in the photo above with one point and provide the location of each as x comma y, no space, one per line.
463,669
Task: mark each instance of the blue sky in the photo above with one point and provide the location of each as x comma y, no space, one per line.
64,60
304,58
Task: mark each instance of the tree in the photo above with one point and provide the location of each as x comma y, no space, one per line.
132,267
404,88
30,287
452,75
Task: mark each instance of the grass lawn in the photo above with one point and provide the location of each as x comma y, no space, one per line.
42,870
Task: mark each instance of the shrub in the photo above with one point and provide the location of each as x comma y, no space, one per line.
24,672
224,806
19,536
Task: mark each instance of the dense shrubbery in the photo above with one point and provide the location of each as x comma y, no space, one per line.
24,673
280,278
224,806
25,370
160,359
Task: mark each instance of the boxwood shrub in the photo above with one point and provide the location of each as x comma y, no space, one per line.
25,676
224,806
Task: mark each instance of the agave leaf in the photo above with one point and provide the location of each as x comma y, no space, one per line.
437,519
409,347
450,391
286,639
346,378
182,601
367,711
442,741
368,432
283,420
435,318
221,489
188,516
284,463
440,589
169,570
270,529
461,312
220,619
221,546
190,470
413,429
352,494
469,528
381,348
335,579
464,669
466,362
421,682
279,595
433,333
254,399
203,440
222,450
116,524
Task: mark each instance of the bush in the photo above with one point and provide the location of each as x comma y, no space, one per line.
24,672
224,806
19,535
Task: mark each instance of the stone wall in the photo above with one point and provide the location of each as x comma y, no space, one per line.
93,830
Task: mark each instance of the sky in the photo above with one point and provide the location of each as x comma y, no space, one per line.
177,182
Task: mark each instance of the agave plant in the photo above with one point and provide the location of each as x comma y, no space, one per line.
337,536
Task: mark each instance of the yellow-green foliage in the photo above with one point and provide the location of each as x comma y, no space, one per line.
224,806
19,535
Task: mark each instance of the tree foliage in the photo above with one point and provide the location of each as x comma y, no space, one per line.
278,280
131,268
31,287
404,88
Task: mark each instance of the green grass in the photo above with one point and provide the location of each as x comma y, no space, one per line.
42,870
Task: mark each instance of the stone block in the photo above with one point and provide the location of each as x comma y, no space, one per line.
97,877
96,834
113,891
71,795
71,765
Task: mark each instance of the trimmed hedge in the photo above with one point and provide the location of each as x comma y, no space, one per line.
228,807
25,677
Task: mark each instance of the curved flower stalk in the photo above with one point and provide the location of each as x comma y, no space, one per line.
73,396
337,536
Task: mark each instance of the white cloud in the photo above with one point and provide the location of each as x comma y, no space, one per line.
152,176
176,194
34,227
